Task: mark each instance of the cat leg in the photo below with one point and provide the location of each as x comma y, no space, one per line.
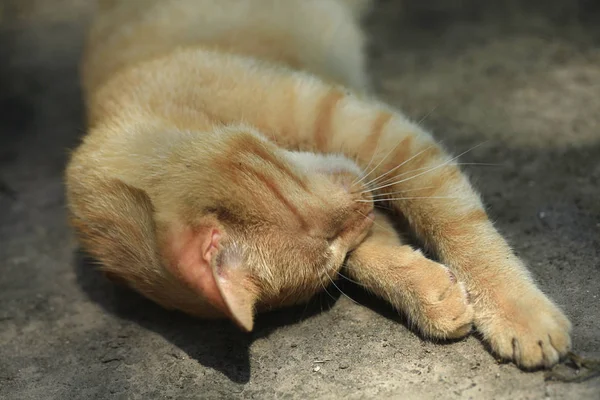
423,183
427,292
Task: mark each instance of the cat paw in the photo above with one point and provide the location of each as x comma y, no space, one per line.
445,305
527,329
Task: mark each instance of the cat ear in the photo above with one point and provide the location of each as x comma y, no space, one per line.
214,269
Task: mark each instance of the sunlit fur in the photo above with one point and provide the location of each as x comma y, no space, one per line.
239,135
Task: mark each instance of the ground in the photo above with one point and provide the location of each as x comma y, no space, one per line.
522,77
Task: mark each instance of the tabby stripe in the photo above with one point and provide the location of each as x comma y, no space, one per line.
429,157
463,227
256,148
287,114
322,125
444,177
277,193
370,144
402,153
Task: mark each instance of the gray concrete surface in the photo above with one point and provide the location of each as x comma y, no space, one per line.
524,75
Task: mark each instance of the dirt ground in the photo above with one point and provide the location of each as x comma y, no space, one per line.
522,75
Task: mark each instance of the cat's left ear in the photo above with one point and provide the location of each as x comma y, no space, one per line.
214,268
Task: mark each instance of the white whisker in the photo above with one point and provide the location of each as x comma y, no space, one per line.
386,156
355,182
340,290
400,192
350,280
427,115
398,166
430,169
375,222
326,291
394,178
409,198
422,169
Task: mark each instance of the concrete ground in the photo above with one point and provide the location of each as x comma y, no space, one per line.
524,75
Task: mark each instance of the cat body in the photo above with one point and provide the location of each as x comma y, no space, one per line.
233,160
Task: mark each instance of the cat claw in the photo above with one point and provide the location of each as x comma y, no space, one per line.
536,335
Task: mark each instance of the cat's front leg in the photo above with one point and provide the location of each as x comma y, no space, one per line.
408,170
426,185
427,292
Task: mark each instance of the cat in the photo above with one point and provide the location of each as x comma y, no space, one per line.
233,161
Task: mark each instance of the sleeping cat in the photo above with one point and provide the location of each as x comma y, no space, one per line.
233,161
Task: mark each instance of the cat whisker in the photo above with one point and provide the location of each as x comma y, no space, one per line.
400,192
408,198
375,223
422,169
430,169
384,158
406,161
340,290
371,161
351,280
358,180
404,173
398,166
326,291
375,167
427,115
395,178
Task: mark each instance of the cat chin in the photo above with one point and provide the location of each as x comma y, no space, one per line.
330,164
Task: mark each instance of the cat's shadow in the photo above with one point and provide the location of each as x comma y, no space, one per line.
216,344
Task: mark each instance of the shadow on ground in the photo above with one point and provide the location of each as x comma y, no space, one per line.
217,344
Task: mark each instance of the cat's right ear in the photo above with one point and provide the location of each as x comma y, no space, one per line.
213,268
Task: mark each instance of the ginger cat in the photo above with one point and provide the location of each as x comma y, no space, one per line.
232,164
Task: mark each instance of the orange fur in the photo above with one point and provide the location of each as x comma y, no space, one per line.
230,111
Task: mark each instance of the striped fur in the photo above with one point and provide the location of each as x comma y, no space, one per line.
243,126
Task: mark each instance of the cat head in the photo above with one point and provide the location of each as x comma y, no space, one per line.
264,227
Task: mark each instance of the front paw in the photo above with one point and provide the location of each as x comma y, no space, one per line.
525,327
445,308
